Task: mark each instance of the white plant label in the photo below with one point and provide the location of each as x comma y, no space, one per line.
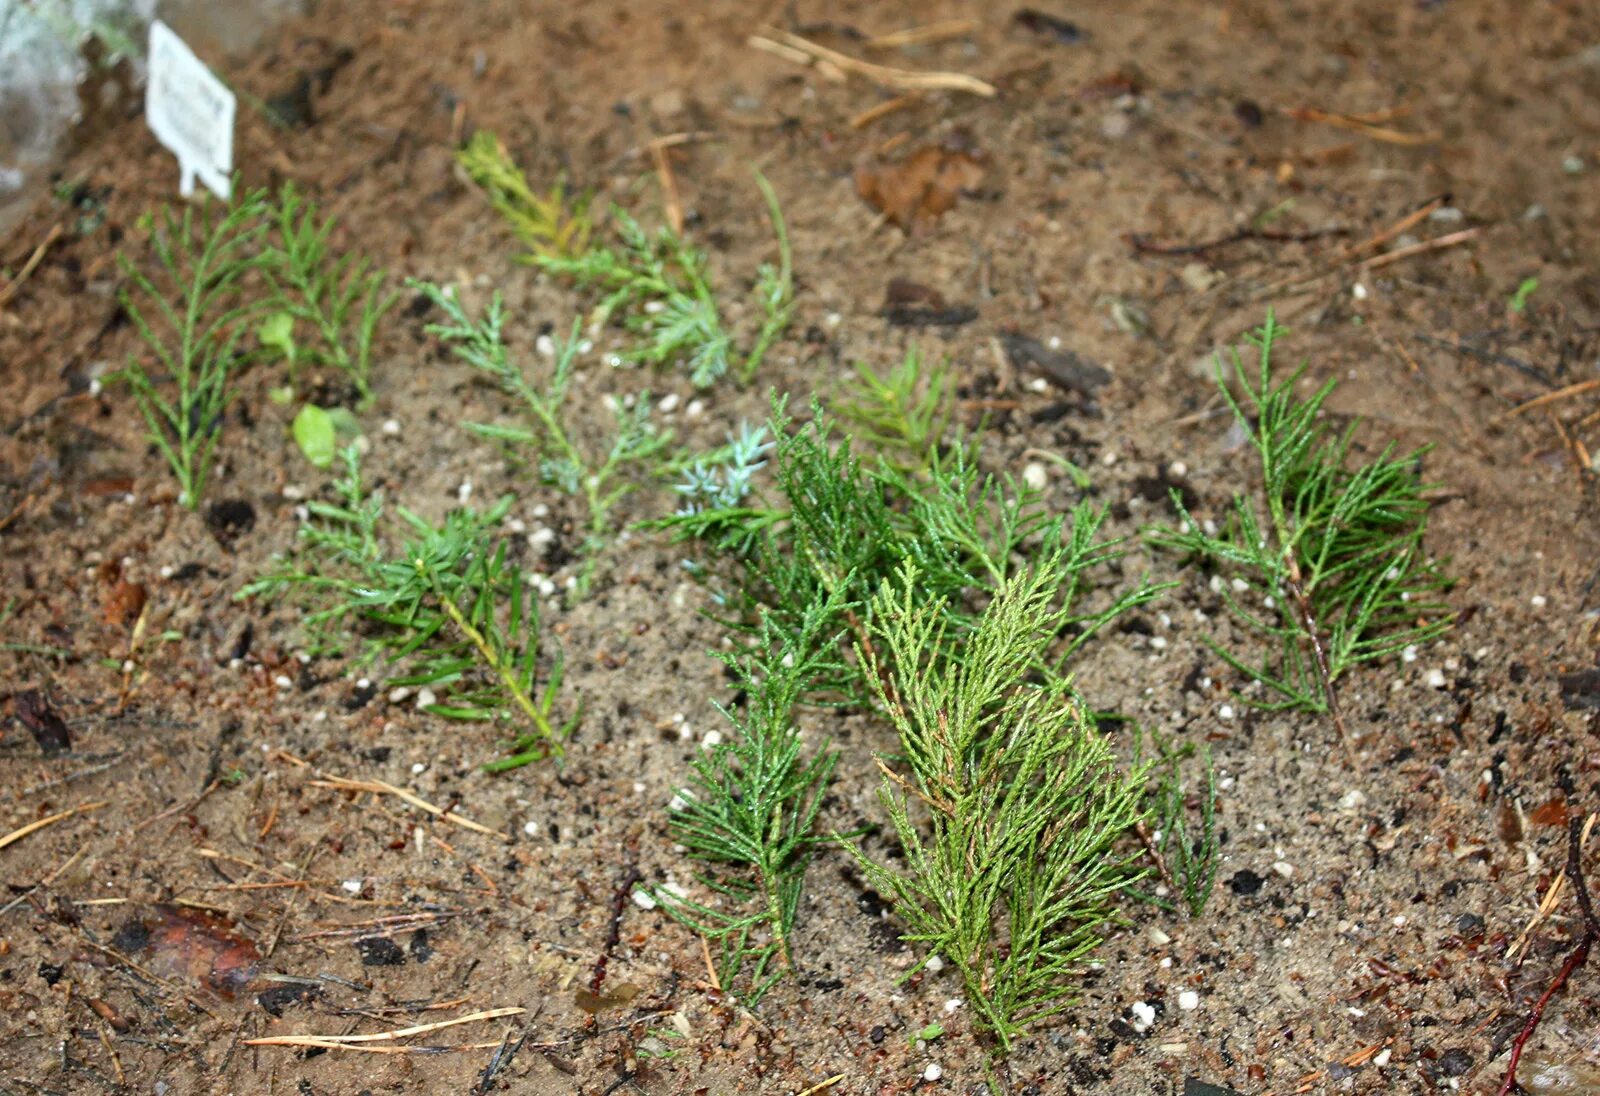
191,112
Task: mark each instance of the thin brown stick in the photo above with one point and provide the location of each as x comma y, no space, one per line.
1145,245
353,1041
1404,224
1359,124
1437,244
381,787
180,808
1153,851
670,199
1551,397
884,109
928,32
1308,620
10,289
60,816
787,45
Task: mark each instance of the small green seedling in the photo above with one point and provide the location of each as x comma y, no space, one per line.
551,225
927,1035
661,285
601,479
904,413
340,299
1180,837
448,609
1008,806
1327,563
1525,290
321,432
749,811
203,257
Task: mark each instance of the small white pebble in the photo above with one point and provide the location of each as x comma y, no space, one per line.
540,510
541,539
678,802
1177,469
399,695
951,1005
933,1072
668,404
643,900
1409,654
585,345
545,346
1054,342
531,828
1358,1013
1436,679
418,768
1239,585
1038,384
1158,938
695,409
464,492
1166,960
294,492
1158,643
685,732
1283,868
1108,458
638,787
1035,475
426,698
282,681
96,387
1538,601
517,525
712,738
934,964
1358,291
1225,784
352,886
1143,1016
1352,799
833,319
1381,1058
1188,1000
1225,712
391,427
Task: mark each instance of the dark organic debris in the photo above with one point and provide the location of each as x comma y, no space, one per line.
230,519
1248,112
1053,27
592,1003
281,995
1062,368
193,947
1245,882
380,951
924,186
912,304
292,108
49,730
1194,1086
1581,689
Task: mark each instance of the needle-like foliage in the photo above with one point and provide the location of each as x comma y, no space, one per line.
836,527
1006,802
340,298
448,609
550,225
204,255
1328,558
1180,831
903,413
750,808
601,479
661,285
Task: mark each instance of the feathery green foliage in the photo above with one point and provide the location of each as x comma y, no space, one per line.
1330,556
599,479
904,413
662,286
1185,850
1009,806
204,256
838,528
448,608
750,807
340,298
550,225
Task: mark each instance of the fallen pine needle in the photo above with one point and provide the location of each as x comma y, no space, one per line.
327,1044
930,32
35,827
1552,897
382,787
1417,249
789,45
1552,397
347,1042
829,1083
10,288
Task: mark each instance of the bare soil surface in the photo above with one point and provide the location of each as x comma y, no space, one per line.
1359,938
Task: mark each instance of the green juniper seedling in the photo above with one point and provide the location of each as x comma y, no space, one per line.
551,225
204,257
662,286
1183,849
749,810
1329,558
839,526
340,299
601,480
1006,802
904,413
449,608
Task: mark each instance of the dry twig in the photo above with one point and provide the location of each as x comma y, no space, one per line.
361,1042
795,48
60,816
380,787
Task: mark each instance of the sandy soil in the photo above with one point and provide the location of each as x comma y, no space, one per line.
1364,911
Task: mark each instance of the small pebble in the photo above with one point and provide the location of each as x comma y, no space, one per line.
294,492
1358,291
1409,654
695,409
934,964
1038,384
1158,938
282,682
951,1005
464,492
1035,476
1352,799
1538,601
1225,712
668,404
426,698
1143,1016
399,694
933,1072
1283,868
712,739
1188,1000
1177,469
1108,458
418,768
643,900
545,346
1436,679
352,886
531,828
391,427
1381,1059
